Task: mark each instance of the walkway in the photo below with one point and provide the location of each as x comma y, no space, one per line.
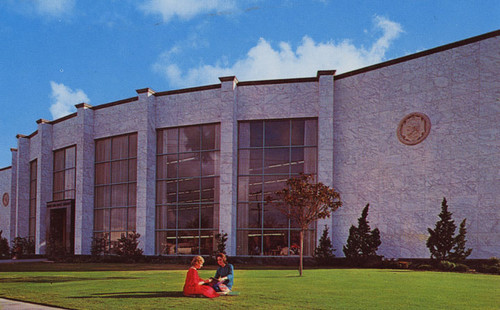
7,304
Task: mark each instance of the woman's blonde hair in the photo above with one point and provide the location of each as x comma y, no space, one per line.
197,259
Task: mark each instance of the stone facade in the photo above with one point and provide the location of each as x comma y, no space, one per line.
457,86
5,201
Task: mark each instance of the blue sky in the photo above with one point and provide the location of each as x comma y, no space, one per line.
58,53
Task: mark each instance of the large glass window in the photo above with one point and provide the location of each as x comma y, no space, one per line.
187,189
64,174
115,187
270,152
32,201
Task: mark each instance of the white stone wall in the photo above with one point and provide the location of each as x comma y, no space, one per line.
65,133
460,160
117,120
5,187
188,108
275,101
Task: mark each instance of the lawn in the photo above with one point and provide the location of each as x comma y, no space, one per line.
159,287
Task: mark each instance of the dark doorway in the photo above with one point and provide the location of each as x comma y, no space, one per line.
60,228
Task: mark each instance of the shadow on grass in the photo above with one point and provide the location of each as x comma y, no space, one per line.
134,295
57,279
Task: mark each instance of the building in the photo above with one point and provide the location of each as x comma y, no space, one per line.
180,166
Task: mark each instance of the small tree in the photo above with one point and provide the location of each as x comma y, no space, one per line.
362,242
460,253
221,239
441,240
324,251
306,202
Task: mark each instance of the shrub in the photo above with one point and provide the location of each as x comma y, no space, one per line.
446,265
461,268
221,239
424,267
491,266
128,246
4,246
324,252
22,247
99,246
362,243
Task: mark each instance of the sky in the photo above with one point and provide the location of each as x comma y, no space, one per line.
58,53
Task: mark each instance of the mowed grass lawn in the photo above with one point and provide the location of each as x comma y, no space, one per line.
160,287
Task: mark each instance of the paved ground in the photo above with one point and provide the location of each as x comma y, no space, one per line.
7,304
31,260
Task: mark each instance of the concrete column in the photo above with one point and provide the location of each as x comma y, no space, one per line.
44,182
22,187
84,187
146,171
325,139
228,161
13,196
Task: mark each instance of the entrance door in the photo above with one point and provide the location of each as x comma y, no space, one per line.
57,230
60,228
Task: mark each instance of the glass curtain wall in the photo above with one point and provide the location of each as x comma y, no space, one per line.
115,187
64,174
187,189
32,210
270,152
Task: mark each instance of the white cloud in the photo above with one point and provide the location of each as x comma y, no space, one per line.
64,99
54,7
265,62
185,9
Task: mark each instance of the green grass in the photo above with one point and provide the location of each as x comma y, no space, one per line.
159,287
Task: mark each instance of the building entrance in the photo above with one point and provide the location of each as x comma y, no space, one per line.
61,228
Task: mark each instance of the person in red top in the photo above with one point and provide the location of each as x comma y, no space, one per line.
195,285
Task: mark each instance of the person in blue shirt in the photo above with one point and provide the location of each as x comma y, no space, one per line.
224,274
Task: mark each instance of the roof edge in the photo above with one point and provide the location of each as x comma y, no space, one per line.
420,54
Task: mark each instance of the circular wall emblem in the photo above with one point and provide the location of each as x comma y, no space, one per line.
414,128
5,199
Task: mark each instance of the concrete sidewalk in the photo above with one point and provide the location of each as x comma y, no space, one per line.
7,304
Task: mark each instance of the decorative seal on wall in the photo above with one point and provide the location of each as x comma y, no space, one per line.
414,128
5,199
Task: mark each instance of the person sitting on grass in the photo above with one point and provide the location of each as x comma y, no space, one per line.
223,279
194,285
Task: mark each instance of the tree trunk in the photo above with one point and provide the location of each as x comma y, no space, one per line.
301,252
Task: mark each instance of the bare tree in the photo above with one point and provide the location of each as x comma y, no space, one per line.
306,202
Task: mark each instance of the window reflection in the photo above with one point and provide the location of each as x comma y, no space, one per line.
115,187
270,152
187,201
64,174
